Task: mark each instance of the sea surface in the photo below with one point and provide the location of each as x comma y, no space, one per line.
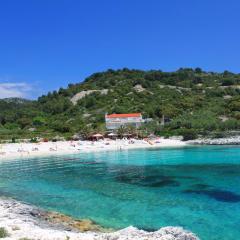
197,188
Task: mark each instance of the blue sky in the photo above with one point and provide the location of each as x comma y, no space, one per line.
46,44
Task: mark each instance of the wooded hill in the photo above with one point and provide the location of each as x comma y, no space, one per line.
194,101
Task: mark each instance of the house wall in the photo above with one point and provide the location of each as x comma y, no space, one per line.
115,123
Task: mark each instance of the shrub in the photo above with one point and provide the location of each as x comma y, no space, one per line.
33,140
237,116
3,233
219,135
228,82
188,134
39,121
61,127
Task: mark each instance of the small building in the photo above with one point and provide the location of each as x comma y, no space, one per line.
115,121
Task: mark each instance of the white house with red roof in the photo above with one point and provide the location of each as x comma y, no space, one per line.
115,121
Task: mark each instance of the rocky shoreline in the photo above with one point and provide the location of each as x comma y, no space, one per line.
217,141
23,221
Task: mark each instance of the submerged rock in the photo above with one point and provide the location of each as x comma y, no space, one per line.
217,194
70,223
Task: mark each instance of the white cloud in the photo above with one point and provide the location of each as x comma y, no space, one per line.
11,89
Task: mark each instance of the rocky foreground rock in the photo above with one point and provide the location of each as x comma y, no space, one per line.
24,221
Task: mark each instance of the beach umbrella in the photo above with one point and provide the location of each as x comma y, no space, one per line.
112,134
98,135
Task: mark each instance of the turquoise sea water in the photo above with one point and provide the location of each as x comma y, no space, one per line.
197,188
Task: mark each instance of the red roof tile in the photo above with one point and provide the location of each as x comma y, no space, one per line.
124,115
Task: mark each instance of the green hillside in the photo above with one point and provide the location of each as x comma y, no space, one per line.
193,101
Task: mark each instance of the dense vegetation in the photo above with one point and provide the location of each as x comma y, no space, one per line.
192,101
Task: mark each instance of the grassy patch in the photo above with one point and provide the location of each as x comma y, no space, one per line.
3,233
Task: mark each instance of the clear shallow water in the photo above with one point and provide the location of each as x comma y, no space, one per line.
197,188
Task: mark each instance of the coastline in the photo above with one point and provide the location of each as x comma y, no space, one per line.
44,149
217,141
25,221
